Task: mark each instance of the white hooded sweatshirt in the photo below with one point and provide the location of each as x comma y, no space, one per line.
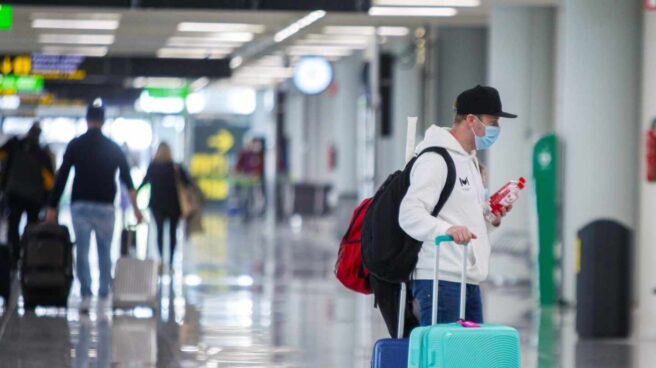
463,208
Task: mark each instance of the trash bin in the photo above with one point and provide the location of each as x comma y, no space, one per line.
603,280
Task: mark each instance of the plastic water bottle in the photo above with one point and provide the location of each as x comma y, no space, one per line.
503,198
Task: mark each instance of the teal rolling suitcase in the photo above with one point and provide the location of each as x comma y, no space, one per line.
462,344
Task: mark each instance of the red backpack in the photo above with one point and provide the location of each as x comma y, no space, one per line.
349,269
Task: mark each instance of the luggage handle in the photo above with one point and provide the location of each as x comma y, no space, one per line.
410,135
463,280
401,324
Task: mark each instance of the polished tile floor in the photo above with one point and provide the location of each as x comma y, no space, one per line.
257,295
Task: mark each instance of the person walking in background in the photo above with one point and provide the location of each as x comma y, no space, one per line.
27,179
165,178
249,178
96,159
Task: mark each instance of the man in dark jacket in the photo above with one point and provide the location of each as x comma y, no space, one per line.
96,159
26,181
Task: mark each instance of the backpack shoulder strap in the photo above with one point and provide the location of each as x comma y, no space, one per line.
450,176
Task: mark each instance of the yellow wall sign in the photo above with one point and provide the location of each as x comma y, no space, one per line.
213,168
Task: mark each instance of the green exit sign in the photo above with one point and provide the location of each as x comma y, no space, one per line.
162,92
6,17
11,84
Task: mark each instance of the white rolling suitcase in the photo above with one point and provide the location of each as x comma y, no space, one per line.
135,283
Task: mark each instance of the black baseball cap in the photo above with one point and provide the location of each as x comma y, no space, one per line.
96,111
481,100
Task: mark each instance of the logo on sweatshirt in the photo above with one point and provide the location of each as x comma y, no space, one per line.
464,182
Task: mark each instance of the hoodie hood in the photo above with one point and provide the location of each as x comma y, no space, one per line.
441,137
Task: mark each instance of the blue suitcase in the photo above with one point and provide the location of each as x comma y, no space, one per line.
393,353
462,344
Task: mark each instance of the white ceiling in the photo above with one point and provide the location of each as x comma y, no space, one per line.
144,32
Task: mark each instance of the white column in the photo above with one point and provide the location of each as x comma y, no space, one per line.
521,59
599,71
348,73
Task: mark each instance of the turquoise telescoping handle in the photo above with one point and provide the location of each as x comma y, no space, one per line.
438,240
443,238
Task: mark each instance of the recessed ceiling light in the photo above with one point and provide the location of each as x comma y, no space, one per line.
183,53
293,28
427,2
75,24
236,61
83,39
220,27
98,51
349,31
322,51
412,12
234,37
393,31
196,42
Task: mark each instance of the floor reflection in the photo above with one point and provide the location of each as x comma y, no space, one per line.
262,296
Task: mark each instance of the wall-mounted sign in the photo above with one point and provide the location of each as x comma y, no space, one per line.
215,144
58,66
6,17
44,65
161,92
17,84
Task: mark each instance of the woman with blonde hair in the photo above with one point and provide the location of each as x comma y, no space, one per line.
164,176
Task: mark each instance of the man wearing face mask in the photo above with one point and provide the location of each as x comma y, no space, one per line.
27,178
475,127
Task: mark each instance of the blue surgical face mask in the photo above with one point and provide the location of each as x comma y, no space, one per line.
486,141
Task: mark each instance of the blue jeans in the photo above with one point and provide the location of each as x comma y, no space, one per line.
99,218
449,302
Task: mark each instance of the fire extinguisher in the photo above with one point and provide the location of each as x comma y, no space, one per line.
651,152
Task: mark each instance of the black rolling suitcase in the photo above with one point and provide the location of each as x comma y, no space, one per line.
47,265
5,273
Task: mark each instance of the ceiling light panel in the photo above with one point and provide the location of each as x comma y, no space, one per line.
106,25
98,51
195,42
233,37
393,31
191,53
167,52
220,27
320,51
412,12
82,39
338,37
71,20
348,31
454,3
295,27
